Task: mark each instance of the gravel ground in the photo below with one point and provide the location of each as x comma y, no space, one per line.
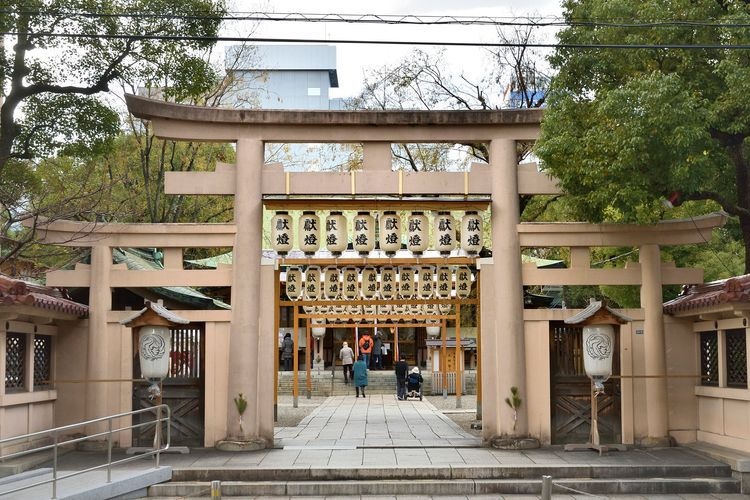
288,416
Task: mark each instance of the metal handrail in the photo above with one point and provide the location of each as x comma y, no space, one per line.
163,414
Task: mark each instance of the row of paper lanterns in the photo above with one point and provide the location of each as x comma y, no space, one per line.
335,237
353,283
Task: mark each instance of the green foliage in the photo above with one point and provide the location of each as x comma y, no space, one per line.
57,120
626,128
241,403
514,401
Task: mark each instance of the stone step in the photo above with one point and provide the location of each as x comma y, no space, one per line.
269,489
453,472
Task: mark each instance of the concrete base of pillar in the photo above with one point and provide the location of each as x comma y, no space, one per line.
513,443
249,444
657,442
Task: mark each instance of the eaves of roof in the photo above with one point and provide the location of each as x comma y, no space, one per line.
694,298
19,292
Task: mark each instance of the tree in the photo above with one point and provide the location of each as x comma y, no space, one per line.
627,129
56,66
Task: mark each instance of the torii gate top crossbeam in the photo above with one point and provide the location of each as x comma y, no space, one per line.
184,122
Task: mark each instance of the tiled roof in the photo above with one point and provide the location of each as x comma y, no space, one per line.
594,307
160,310
696,297
19,292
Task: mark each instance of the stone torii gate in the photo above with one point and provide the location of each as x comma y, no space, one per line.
253,184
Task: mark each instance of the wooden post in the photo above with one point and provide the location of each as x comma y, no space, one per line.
444,357
277,292
459,355
396,352
295,373
308,371
594,416
479,350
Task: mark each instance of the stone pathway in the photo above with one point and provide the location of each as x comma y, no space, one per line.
377,421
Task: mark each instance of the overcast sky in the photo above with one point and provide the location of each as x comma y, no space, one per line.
354,60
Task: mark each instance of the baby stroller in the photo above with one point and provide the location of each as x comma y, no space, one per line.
414,384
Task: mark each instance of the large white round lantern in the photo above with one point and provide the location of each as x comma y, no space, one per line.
598,348
369,282
471,233
444,282
363,239
390,232
294,285
281,232
418,232
154,346
433,328
312,283
309,232
388,283
331,283
425,286
350,285
336,235
406,282
463,282
445,233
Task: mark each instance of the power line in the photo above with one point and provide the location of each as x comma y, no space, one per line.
397,19
381,42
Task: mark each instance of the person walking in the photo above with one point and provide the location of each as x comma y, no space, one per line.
287,351
402,368
377,352
365,347
346,355
360,375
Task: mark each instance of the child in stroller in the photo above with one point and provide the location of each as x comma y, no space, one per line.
414,384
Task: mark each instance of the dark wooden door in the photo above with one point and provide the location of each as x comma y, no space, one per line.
571,390
183,390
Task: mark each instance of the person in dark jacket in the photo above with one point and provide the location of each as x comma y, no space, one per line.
360,375
402,368
287,351
377,352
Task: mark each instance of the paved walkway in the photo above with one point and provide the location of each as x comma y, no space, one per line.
346,436
377,421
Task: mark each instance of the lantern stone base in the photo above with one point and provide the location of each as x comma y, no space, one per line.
603,449
249,444
514,443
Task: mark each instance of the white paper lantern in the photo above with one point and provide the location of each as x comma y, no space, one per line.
425,286
309,232
390,232
369,282
385,310
318,331
445,233
388,283
400,309
331,283
444,278
471,233
312,283
406,282
363,239
444,308
154,346
339,311
433,329
598,348
294,284
418,232
370,310
463,282
281,232
350,285
336,235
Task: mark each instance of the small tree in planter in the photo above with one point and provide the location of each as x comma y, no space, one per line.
514,401
241,403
